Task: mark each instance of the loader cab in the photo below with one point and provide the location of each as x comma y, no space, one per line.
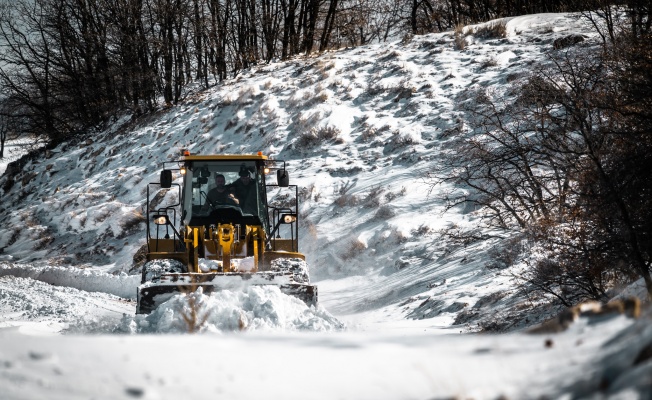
205,224
204,204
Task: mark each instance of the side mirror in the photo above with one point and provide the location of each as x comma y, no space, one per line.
283,178
166,179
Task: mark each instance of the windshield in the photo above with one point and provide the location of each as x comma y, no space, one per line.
212,186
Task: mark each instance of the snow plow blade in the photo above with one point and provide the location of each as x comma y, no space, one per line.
152,294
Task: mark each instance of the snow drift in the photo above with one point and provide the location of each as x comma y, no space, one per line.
254,308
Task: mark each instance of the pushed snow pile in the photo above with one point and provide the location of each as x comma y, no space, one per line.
255,308
84,279
246,264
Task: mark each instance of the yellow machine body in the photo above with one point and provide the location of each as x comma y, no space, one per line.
237,236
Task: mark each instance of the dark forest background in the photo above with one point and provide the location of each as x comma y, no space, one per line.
67,65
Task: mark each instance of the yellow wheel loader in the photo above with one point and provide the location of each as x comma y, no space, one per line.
228,229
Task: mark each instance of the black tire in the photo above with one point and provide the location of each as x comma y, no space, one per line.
296,266
152,270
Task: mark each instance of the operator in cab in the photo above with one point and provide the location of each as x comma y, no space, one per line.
221,194
245,191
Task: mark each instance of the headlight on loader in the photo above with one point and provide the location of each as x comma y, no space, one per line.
161,219
288,218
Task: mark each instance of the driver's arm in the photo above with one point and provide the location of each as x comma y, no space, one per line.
233,198
207,205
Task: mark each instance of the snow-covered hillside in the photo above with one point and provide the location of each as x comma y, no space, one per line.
360,129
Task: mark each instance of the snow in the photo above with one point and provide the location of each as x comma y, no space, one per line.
402,313
299,366
90,280
254,308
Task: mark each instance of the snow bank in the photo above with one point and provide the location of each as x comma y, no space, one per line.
255,308
38,307
84,279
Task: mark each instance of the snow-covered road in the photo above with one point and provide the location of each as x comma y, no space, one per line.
47,351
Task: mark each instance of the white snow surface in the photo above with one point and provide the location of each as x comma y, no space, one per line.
254,308
399,311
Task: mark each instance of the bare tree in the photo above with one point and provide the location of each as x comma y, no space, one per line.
26,64
567,162
271,17
4,132
501,164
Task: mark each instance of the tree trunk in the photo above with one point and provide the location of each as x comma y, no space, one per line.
328,25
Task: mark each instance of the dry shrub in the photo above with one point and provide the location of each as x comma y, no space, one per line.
316,136
324,67
384,212
421,230
268,112
328,132
233,122
131,222
353,249
373,197
391,196
281,200
403,92
139,258
398,141
306,121
43,241
506,254
245,95
307,140
395,236
375,89
309,226
344,198
347,200
193,314
321,97
368,132
490,62
306,193
459,40
454,235
307,95
310,98
493,30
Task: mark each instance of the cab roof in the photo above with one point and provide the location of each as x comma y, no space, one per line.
225,157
